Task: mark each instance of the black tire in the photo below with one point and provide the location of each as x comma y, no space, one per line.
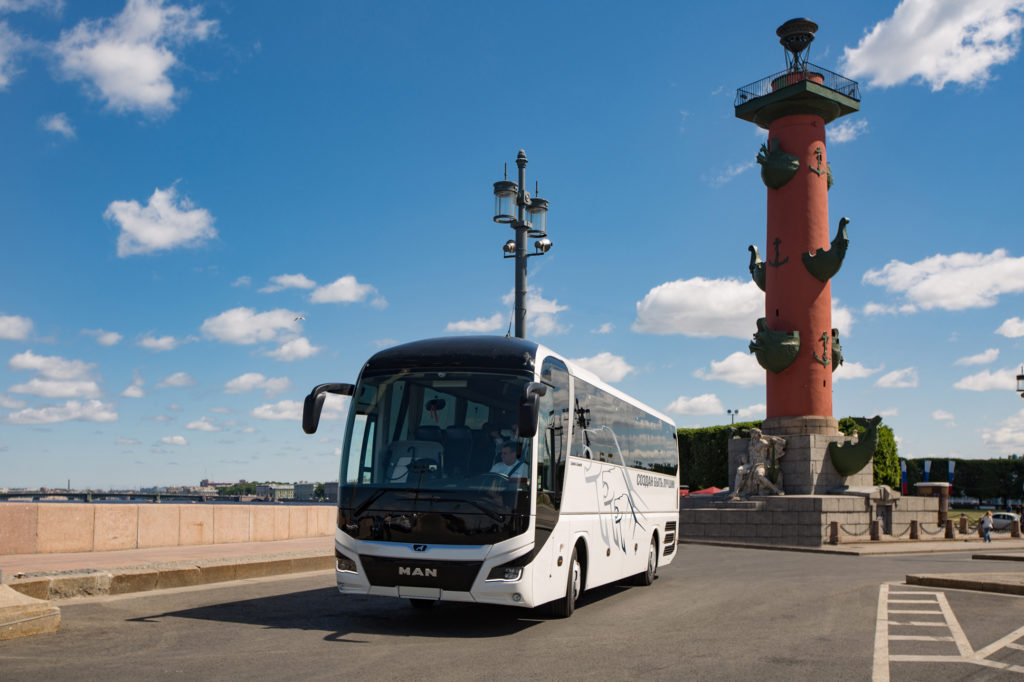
422,604
563,608
651,572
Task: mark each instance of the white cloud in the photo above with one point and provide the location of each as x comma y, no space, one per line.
847,130
707,403
203,424
730,173
177,380
53,6
900,378
160,343
51,366
51,388
335,407
174,440
480,324
126,441
126,60
11,403
243,326
58,123
11,43
135,389
853,370
164,223
1012,328
347,290
881,309
609,367
990,355
842,318
243,281
955,282
15,327
1008,436
701,307
280,282
1000,380
937,42
72,410
738,368
285,410
104,338
756,411
942,415
605,328
295,349
254,381
541,313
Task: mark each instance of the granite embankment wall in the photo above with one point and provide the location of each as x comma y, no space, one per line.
40,527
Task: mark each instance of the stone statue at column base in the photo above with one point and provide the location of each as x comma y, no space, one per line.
759,472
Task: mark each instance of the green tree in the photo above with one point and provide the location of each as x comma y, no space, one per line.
318,491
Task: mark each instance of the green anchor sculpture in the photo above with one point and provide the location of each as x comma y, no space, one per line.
756,267
824,264
774,350
849,458
777,167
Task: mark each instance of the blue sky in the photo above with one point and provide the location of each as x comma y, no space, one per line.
207,208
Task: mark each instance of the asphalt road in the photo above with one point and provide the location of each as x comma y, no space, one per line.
716,613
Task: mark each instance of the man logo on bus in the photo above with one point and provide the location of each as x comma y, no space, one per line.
420,572
419,548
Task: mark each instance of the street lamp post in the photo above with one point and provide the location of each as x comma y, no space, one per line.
733,413
529,221
1020,382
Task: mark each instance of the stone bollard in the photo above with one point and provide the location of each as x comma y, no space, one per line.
833,533
1015,529
950,534
981,531
963,524
915,531
876,529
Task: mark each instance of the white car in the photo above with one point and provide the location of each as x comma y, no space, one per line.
1002,520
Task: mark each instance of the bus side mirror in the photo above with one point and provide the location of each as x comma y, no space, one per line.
314,403
529,408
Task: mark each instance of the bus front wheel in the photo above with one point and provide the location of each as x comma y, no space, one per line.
647,577
563,608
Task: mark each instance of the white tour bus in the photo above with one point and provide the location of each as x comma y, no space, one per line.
489,469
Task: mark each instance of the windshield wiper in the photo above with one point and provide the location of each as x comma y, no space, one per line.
368,501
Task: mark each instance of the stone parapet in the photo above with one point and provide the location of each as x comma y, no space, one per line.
54,527
791,426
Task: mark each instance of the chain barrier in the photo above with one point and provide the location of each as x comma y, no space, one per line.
940,529
903,533
843,528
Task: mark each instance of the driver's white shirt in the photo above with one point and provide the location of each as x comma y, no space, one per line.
507,469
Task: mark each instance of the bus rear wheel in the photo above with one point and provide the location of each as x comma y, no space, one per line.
564,607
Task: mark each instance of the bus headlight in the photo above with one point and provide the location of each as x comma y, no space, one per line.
506,573
344,563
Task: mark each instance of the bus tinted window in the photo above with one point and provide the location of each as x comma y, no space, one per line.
611,430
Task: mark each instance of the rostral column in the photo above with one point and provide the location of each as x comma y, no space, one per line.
795,341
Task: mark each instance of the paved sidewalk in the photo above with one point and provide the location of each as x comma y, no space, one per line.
60,576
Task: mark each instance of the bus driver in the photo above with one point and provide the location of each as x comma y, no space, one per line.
510,464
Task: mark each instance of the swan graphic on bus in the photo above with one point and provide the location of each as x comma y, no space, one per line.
429,427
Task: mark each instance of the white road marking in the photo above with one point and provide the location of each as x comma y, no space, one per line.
880,667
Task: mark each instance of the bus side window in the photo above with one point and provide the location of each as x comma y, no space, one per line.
554,415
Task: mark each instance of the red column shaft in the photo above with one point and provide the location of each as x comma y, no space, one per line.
794,299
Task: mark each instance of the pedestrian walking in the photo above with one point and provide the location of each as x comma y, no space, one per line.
986,527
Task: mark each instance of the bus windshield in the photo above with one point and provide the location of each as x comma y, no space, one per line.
436,441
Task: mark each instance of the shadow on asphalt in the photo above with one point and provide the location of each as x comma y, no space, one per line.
348,617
